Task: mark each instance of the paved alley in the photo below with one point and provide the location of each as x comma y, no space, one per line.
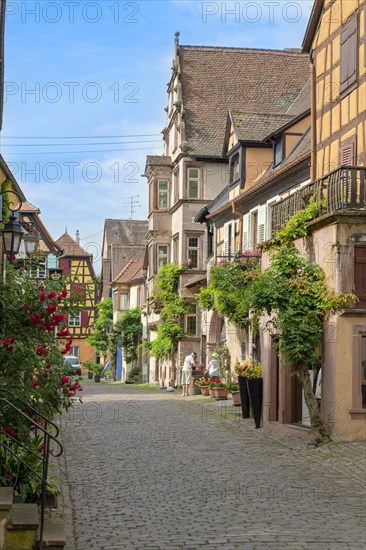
143,468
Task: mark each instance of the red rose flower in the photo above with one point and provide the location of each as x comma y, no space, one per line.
70,394
35,384
42,296
51,308
8,476
64,379
40,350
41,287
48,366
64,293
10,431
52,294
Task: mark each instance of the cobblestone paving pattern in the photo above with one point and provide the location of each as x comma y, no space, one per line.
143,468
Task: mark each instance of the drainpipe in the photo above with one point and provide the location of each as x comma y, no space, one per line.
240,216
313,161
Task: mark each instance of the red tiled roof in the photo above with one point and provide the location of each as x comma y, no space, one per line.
28,207
70,247
129,272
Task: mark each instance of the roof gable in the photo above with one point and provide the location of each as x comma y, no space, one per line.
215,80
70,247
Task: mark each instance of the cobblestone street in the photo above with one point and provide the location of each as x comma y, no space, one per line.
143,468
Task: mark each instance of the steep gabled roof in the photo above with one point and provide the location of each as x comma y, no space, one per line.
129,273
125,232
70,247
215,80
27,208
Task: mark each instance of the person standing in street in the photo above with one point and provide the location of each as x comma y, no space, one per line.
213,367
189,364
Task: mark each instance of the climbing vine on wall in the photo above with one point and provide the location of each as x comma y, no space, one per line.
173,308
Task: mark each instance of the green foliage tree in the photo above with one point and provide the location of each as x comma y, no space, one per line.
294,292
131,329
103,337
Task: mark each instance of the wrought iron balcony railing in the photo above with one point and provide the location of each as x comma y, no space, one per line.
343,189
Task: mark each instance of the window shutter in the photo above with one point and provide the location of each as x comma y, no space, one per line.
349,53
347,153
226,239
65,266
360,276
51,261
262,224
246,232
232,242
84,318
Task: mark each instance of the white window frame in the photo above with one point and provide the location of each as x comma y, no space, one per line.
229,247
74,321
160,255
165,192
39,271
193,179
123,301
196,248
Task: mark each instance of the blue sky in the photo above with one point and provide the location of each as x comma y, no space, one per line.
99,70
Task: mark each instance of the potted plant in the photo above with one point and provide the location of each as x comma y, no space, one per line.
97,369
240,369
89,365
218,390
233,388
204,384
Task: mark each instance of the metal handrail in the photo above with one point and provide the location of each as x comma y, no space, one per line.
47,437
32,409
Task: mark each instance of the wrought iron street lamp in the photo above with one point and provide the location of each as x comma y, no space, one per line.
13,234
31,241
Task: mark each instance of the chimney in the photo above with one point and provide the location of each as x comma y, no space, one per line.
78,236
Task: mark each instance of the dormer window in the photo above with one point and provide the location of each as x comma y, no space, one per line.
278,152
235,169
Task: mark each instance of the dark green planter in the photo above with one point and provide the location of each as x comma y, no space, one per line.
97,378
255,391
244,397
90,375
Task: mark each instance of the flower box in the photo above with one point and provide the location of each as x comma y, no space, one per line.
205,390
219,394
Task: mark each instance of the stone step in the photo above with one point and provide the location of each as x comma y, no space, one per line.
54,534
21,527
6,498
23,517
